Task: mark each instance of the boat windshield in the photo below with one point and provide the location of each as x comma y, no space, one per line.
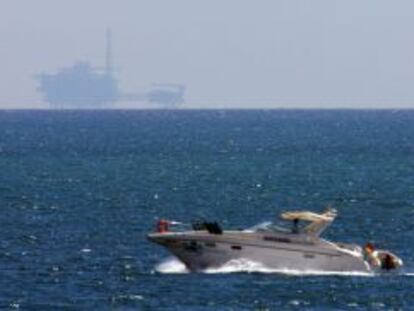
267,226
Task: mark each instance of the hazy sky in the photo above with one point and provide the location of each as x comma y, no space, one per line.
229,53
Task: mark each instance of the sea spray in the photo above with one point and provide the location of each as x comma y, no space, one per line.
171,265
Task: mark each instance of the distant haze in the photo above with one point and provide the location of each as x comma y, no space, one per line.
228,53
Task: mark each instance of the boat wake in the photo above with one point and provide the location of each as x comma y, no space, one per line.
248,266
172,265
408,274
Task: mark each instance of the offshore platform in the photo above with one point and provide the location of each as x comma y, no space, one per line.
83,86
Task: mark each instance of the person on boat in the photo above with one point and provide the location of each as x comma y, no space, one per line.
371,255
388,263
295,228
163,226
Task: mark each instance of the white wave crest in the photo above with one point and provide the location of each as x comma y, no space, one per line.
171,265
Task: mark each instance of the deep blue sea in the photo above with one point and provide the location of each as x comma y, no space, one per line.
79,190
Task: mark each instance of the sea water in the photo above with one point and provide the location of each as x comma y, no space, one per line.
79,190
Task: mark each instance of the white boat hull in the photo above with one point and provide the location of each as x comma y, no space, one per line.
201,250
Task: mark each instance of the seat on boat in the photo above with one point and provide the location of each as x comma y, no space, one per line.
211,227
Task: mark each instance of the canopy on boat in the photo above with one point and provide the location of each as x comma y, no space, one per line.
309,216
319,222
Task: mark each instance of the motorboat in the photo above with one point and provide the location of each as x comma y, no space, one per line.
298,247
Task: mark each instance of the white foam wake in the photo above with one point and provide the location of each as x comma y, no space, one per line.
408,274
245,265
172,265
